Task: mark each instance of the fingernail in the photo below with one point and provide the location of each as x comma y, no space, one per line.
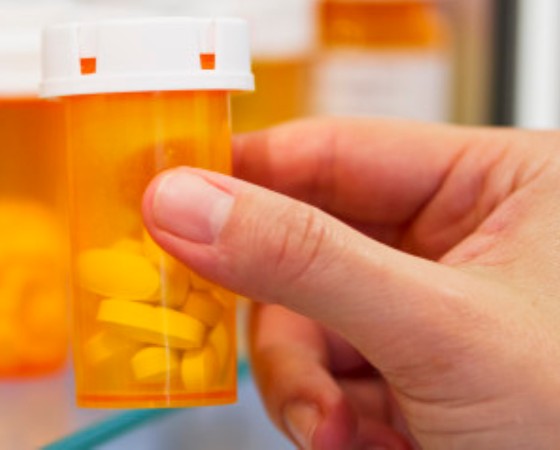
301,421
191,208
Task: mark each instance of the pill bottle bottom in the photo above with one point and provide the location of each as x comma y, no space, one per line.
146,401
34,371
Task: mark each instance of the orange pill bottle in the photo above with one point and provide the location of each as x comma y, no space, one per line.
33,337
142,96
384,57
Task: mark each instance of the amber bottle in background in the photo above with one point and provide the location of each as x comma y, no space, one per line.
283,39
33,326
384,58
282,44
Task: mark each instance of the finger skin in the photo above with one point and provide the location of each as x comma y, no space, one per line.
380,171
305,260
420,187
289,358
445,338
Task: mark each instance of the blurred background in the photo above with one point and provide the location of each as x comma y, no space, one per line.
473,62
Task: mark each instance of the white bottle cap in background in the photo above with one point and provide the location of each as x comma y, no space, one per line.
20,45
21,23
143,55
280,29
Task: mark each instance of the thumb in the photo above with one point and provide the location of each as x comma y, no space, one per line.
277,250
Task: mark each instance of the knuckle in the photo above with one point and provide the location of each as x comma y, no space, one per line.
300,242
282,243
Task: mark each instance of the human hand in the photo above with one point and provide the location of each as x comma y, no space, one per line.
436,325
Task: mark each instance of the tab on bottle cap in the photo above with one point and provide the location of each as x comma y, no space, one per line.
142,55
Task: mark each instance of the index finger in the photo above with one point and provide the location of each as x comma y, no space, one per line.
291,357
364,170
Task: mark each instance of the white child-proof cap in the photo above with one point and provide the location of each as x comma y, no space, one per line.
280,29
144,55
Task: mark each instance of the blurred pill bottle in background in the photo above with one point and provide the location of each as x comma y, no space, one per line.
33,239
283,39
142,96
33,326
384,58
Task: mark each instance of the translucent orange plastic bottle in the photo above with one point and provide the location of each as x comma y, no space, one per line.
383,57
142,96
33,325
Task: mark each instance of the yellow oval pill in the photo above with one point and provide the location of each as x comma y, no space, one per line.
222,341
201,284
152,325
118,273
149,247
204,307
175,286
105,347
155,364
199,370
175,282
226,298
128,245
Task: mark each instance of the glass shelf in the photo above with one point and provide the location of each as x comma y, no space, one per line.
42,414
37,411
